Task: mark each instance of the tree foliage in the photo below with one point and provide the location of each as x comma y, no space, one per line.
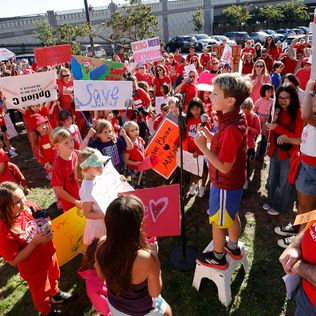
198,20
64,34
294,11
270,13
133,22
237,14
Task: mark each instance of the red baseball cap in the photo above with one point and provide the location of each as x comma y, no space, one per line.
35,120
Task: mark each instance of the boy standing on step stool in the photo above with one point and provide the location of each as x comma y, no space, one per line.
227,158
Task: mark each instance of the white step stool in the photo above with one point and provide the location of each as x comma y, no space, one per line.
222,278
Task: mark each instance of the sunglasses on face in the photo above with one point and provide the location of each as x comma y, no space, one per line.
66,76
259,66
193,76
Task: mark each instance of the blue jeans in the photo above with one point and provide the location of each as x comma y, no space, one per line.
304,307
262,147
279,190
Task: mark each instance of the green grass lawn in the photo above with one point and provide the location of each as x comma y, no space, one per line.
258,292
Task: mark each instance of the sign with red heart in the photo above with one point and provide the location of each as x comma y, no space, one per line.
162,210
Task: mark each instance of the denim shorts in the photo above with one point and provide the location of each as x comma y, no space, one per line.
159,308
304,307
306,179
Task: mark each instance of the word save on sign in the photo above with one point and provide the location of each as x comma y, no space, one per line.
32,89
162,210
163,145
146,50
92,95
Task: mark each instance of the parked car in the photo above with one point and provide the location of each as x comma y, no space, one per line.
203,41
259,37
276,36
239,37
182,42
298,31
286,32
219,39
290,38
304,28
29,57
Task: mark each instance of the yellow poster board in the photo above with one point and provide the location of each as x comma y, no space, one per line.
68,231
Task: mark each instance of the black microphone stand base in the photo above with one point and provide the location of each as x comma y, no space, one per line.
183,262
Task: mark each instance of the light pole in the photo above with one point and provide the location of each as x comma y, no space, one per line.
88,20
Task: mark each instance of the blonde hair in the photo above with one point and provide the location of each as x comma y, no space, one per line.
59,134
84,154
63,69
233,85
101,125
248,105
128,125
264,70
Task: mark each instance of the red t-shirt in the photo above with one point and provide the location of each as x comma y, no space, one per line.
269,62
180,70
246,68
11,242
204,59
178,58
309,255
158,83
6,176
29,122
138,152
65,94
141,98
157,121
63,175
190,91
144,77
289,65
274,53
188,58
299,48
303,76
250,50
253,123
191,130
47,152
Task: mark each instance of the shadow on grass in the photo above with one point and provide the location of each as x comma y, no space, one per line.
6,272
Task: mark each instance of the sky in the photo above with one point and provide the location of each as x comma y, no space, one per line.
27,7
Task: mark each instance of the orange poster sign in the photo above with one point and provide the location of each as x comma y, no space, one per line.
236,53
163,145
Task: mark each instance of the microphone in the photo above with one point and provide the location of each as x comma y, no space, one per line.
204,119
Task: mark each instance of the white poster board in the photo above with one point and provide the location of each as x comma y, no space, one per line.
159,101
146,50
90,95
191,164
31,89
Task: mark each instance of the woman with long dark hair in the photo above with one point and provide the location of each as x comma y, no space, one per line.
272,49
127,263
286,121
161,77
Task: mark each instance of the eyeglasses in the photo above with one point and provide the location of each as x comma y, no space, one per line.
193,76
284,99
259,66
66,76
159,69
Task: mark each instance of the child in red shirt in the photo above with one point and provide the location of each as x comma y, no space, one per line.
31,250
253,129
227,165
136,155
193,120
64,181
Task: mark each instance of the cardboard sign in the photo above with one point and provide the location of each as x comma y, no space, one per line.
236,54
5,54
159,101
108,186
88,68
191,164
163,145
227,54
68,230
305,218
31,89
146,50
101,95
162,210
52,55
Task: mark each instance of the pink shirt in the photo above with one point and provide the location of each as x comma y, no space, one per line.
263,107
96,290
256,86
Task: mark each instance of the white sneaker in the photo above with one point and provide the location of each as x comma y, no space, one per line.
13,148
193,189
12,153
266,206
273,212
245,187
285,242
202,191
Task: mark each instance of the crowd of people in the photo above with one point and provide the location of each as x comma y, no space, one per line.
266,110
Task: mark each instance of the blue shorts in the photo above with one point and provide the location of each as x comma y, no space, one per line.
306,179
224,205
304,307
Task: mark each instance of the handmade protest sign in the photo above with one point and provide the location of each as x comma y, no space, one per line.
68,230
52,55
88,68
163,145
5,54
10,127
92,95
146,50
162,210
191,164
108,185
31,89
236,54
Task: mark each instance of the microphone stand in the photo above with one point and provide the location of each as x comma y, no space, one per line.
182,257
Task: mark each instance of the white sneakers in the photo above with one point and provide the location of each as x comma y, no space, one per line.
12,152
195,189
